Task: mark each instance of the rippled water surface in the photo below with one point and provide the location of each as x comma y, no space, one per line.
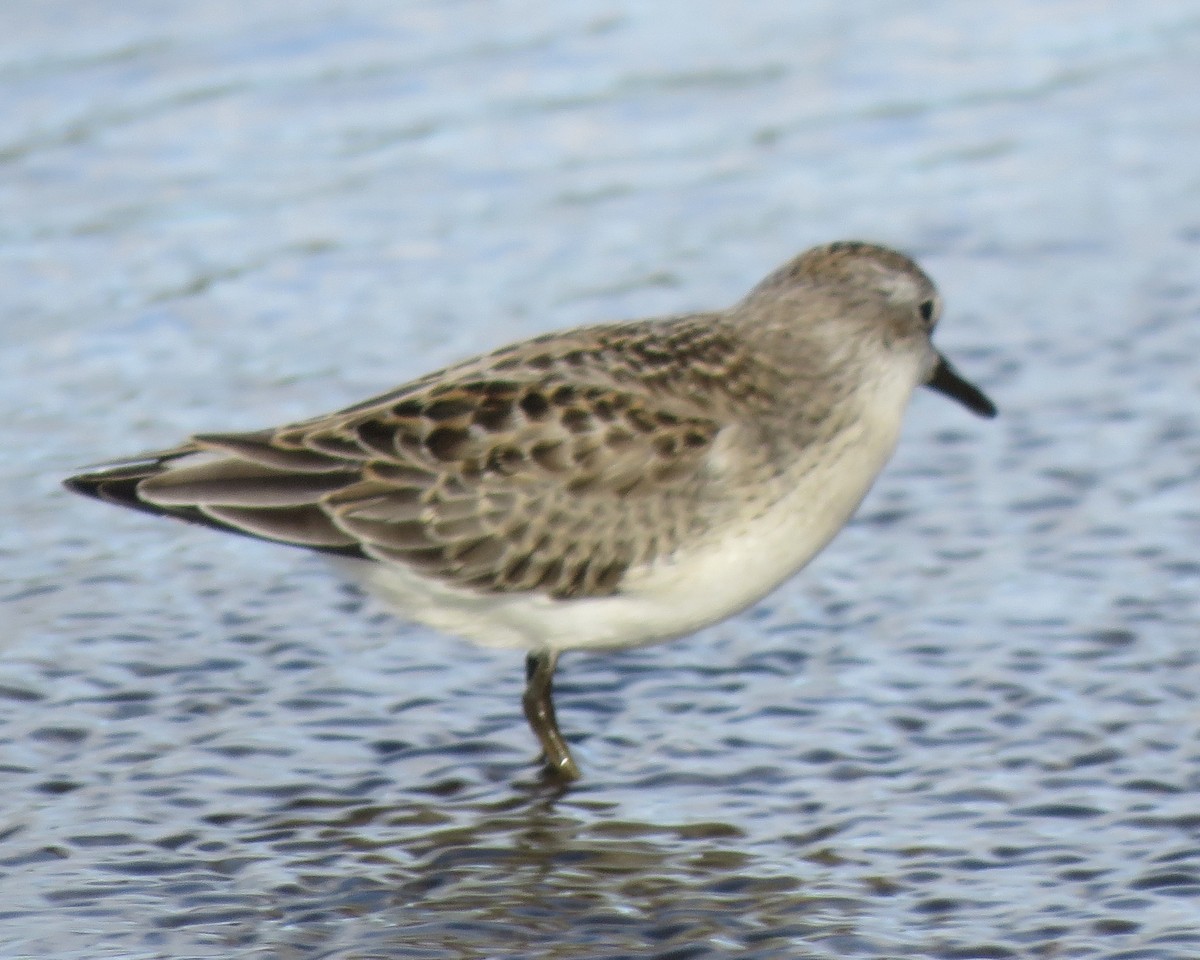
970,730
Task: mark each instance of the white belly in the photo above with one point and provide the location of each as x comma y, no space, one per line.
706,586
731,569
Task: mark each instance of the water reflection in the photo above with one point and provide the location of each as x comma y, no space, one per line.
534,868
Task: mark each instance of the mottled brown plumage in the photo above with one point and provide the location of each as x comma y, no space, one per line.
519,471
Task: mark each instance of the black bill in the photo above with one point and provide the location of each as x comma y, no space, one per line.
946,380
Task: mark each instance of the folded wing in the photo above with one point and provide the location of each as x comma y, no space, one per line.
533,472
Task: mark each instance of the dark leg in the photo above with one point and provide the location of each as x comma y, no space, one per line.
539,710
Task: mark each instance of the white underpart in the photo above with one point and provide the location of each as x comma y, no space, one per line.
697,587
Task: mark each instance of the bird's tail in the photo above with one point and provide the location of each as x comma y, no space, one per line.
117,481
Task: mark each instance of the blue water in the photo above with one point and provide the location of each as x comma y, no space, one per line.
969,730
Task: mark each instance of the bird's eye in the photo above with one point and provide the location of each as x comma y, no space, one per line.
926,310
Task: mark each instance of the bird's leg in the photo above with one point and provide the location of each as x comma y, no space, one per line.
539,710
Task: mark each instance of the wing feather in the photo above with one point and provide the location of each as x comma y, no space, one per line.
551,466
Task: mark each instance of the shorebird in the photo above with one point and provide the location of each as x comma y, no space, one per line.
602,487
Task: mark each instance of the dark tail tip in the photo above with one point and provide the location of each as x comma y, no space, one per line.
117,485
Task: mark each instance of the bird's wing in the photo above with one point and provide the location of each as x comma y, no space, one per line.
552,466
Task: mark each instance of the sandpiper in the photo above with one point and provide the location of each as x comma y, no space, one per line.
602,487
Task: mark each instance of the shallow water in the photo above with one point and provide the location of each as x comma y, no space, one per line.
970,730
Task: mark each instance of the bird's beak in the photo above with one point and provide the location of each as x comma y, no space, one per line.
946,380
